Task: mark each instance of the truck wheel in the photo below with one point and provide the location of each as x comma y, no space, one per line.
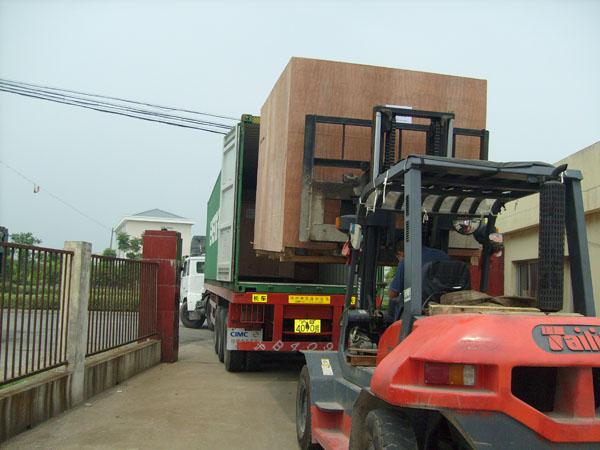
222,330
303,413
183,315
253,361
234,360
387,429
216,334
209,320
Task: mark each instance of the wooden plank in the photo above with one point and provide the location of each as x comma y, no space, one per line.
435,309
361,360
328,88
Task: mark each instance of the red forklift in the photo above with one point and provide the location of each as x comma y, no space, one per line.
451,371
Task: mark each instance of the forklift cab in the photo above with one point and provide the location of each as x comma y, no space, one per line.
455,379
449,196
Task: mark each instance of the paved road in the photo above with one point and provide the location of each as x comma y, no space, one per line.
192,404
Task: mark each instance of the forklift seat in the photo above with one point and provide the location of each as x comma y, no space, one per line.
442,276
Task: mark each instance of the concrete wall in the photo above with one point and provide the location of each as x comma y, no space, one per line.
136,229
35,400
519,224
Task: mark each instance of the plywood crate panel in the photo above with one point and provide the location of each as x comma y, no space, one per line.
327,88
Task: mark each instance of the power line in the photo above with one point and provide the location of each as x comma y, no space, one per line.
56,197
120,99
89,101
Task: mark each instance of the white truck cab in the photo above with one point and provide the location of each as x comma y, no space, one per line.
191,311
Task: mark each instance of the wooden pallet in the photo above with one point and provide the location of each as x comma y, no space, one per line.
362,357
435,308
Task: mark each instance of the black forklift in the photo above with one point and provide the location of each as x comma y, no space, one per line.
453,373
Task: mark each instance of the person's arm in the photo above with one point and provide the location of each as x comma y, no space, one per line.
398,281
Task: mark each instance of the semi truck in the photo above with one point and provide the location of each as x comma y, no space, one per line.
255,304
192,310
456,368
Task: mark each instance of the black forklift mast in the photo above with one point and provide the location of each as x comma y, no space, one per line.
459,189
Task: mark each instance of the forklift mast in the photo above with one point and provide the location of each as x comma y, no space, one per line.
439,187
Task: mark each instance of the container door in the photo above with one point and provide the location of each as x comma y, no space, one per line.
227,209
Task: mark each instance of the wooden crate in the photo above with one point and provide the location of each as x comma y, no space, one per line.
327,88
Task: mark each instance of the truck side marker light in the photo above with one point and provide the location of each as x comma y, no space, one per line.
450,374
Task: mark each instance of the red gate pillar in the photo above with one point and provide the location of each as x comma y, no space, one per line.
164,247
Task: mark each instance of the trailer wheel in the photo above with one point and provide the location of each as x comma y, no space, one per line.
183,315
303,413
222,330
234,360
209,321
387,429
253,361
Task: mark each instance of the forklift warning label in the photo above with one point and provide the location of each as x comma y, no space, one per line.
240,334
326,367
567,338
310,299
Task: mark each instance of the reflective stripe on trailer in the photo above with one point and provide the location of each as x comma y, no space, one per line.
279,346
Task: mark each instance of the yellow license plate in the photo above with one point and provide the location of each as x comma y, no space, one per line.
307,325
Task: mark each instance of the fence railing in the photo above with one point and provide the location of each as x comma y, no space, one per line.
122,303
34,305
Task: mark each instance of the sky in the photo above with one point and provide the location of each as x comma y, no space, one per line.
541,60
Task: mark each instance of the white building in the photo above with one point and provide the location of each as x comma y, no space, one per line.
519,224
156,219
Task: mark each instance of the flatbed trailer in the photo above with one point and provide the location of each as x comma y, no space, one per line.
255,304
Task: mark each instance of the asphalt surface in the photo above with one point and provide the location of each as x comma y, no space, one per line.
192,404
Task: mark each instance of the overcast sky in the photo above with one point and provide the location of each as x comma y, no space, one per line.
541,60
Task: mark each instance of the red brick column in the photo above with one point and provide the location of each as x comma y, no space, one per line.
164,247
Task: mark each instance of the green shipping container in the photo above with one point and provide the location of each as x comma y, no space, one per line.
231,261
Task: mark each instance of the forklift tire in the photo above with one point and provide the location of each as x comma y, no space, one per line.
183,315
253,361
387,429
222,334
303,413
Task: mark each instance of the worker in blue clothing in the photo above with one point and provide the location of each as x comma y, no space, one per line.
397,285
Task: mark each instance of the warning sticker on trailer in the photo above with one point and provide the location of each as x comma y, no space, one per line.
310,299
326,367
241,334
259,298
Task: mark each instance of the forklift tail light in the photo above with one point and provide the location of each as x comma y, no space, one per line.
450,374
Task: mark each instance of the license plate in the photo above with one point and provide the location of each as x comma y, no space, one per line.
307,325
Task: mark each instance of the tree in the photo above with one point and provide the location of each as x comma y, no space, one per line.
109,252
25,239
132,247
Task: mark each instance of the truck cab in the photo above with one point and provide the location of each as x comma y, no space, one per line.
191,311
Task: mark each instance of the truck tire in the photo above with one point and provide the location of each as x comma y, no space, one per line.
387,429
222,330
216,334
234,359
253,361
209,320
303,413
183,315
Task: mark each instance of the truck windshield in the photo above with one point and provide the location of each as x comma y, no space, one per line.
200,267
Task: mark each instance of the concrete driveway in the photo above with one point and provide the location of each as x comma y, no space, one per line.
191,404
